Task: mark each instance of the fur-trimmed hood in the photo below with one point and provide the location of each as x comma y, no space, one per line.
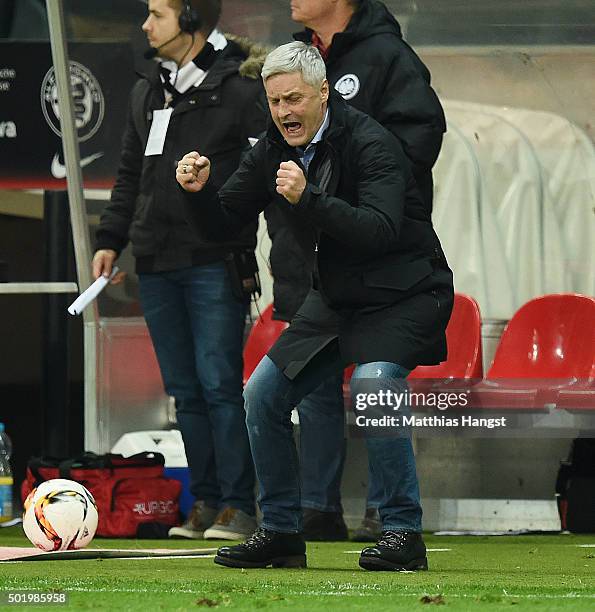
253,53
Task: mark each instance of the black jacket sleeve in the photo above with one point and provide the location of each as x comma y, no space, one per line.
221,215
116,218
372,225
253,113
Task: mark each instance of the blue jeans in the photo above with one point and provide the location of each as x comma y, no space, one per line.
322,449
322,445
270,397
197,326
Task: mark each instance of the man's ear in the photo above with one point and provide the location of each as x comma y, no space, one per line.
324,90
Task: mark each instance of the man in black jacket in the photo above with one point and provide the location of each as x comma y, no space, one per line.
190,290
374,69
381,294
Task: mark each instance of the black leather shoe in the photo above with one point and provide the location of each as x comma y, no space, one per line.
396,551
264,548
324,526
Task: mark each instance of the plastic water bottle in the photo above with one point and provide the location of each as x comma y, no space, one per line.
6,481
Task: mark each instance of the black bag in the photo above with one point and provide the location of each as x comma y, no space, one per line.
575,488
131,493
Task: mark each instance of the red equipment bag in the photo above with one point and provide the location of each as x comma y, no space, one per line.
129,491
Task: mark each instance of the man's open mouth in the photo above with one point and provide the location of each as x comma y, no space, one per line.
292,127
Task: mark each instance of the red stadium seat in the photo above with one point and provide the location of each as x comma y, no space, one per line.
263,335
580,396
347,374
546,347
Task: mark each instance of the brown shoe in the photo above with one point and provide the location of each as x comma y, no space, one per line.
231,524
201,516
370,528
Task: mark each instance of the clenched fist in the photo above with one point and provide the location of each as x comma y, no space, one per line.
291,181
193,171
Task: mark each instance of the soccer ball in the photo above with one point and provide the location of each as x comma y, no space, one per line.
60,514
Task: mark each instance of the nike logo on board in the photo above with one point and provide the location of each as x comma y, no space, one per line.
58,169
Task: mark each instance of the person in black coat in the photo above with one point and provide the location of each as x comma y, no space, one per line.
381,293
201,91
377,72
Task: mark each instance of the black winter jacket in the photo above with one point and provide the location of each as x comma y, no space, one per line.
378,73
367,236
216,118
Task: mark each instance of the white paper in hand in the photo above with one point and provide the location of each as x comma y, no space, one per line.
87,296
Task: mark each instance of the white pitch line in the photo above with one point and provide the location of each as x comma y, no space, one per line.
438,549
124,558
318,593
164,557
585,545
445,595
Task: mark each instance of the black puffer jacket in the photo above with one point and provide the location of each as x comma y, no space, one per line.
378,73
378,263
215,118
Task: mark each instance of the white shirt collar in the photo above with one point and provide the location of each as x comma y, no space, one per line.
217,39
322,128
191,75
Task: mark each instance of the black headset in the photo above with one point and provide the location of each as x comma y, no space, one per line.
189,19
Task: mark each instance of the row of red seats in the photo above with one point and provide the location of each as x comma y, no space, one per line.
546,354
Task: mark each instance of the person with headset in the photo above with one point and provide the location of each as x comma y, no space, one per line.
194,293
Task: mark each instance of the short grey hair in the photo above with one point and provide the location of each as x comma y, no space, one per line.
296,57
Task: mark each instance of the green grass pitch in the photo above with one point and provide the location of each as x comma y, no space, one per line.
492,573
